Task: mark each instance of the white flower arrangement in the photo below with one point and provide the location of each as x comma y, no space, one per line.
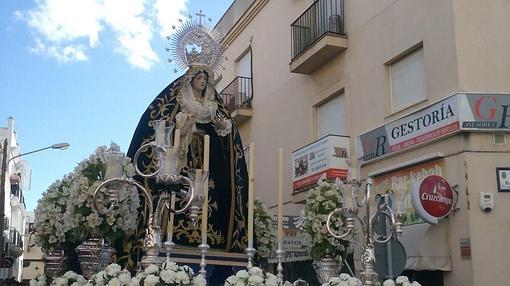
264,230
51,231
400,281
111,275
343,280
346,280
39,281
168,274
83,219
320,202
254,277
68,279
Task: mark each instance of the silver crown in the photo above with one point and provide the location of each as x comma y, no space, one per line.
194,44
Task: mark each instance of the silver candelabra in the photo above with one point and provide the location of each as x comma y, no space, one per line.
168,173
350,213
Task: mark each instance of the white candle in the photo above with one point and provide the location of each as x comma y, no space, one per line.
205,206
160,133
111,168
280,197
353,168
170,226
177,138
251,180
170,166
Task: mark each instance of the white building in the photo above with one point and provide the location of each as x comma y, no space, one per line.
17,180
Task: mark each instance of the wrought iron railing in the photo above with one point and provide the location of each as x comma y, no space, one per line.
17,192
238,93
15,238
324,16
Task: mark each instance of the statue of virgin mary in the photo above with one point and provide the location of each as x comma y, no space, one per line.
192,104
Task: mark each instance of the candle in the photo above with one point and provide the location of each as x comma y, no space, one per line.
280,197
111,168
251,180
160,132
170,166
177,139
353,168
205,206
170,226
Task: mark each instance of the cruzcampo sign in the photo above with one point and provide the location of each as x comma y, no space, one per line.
463,111
432,198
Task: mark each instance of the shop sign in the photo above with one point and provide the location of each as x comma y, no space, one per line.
294,240
462,111
325,156
432,198
435,121
401,182
485,111
465,248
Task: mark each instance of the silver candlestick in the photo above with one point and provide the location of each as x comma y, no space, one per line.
204,247
250,252
279,268
368,274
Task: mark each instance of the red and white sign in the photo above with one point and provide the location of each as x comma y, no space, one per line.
432,198
326,156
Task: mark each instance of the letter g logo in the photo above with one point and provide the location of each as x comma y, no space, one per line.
491,112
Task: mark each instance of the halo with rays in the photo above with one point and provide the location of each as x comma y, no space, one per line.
195,44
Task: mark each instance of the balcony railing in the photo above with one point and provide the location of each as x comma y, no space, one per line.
17,193
324,16
238,93
15,238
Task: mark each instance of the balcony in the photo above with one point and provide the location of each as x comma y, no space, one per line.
237,98
15,248
17,198
318,36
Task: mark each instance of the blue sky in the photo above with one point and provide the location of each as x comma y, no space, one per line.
83,72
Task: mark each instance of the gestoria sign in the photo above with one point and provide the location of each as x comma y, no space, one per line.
466,111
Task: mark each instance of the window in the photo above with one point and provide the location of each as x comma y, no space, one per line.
331,117
242,93
407,81
243,65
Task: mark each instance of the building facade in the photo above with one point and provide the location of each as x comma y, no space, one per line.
17,181
419,87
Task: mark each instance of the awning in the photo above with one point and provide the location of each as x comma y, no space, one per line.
427,246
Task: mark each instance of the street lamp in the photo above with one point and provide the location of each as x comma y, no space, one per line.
5,162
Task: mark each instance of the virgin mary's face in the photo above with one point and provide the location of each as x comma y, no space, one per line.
199,81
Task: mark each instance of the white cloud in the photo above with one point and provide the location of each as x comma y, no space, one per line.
64,54
63,25
168,13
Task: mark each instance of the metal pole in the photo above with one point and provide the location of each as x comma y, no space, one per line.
2,202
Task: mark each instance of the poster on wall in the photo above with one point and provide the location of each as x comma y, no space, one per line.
326,156
401,182
503,179
294,240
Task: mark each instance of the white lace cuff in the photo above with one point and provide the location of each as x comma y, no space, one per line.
224,128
